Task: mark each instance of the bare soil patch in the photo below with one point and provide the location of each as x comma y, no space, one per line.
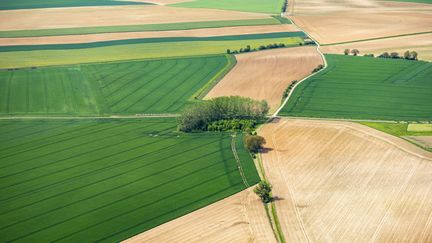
239,218
425,141
342,21
419,43
70,39
344,182
265,75
51,18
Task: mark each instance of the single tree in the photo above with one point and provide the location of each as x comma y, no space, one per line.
414,55
394,55
355,52
254,143
384,55
228,51
263,190
347,51
407,55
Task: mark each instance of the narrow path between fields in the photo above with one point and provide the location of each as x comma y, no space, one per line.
240,168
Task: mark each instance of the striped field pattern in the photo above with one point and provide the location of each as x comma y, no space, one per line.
135,87
366,88
107,180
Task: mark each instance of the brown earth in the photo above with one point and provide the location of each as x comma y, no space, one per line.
344,182
239,218
422,44
69,39
50,18
425,141
342,21
265,75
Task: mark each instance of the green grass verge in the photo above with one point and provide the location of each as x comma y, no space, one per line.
366,88
107,180
137,28
260,6
135,87
420,128
30,4
395,129
15,59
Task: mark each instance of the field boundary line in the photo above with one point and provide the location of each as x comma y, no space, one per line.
378,38
307,77
137,116
239,167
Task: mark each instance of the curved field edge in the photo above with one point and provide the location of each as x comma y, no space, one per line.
155,86
388,166
107,179
365,88
138,28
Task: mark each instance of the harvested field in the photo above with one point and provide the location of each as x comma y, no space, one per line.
238,218
344,182
52,18
107,180
425,141
266,74
343,21
365,88
422,44
88,38
267,6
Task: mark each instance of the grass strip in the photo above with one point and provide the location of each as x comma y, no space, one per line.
138,28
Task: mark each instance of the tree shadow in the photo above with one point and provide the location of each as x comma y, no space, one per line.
277,198
265,150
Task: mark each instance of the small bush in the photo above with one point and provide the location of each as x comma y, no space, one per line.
319,67
254,143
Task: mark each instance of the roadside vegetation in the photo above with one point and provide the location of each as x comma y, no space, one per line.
231,113
263,190
407,55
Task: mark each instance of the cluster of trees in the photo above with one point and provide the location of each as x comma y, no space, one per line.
232,125
319,67
263,190
215,113
249,49
355,52
287,90
408,55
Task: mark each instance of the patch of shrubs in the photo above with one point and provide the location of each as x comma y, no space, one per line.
287,90
284,6
260,48
223,114
232,125
319,67
254,143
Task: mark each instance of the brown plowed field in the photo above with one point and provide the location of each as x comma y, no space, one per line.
342,21
50,18
264,75
69,39
344,182
239,218
425,141
419,43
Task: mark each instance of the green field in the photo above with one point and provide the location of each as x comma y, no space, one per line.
366,88
107,180
420,128
29,4
147,27
260,6
12,59
135,87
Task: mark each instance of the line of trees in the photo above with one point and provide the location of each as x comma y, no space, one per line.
408,55
262,47
287,90
319,67
228,113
